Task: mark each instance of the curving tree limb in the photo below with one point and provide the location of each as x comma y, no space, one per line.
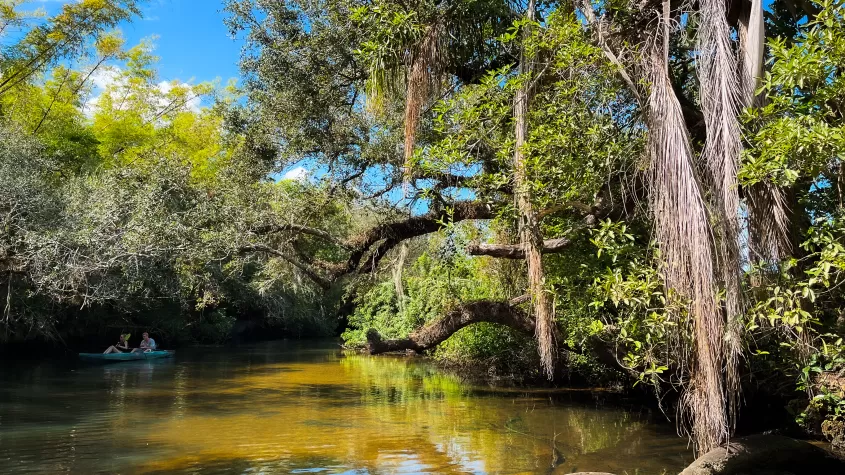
501,313
324,283
388,235
440,330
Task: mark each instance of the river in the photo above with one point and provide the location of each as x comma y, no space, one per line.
294,407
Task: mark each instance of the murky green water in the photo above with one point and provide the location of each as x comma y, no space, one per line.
308,408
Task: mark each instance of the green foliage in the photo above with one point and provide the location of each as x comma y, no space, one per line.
579,129
65,36
642,322
439,279
800,132
306,50
797,311
130,238
142,202
395,31
430,287
135,207
798,141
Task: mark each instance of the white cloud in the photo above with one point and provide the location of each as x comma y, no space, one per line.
297,174
110,76
90,106
194,101
105,76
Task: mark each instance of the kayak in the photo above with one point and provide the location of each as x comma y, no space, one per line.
116,357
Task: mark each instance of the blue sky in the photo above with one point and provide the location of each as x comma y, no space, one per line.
192,42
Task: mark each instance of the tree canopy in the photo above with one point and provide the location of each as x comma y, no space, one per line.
653,188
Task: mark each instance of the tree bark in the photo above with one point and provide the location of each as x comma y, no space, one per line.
368,248
389,235
502,313
515,251
529,228
440,330
300,229
324,283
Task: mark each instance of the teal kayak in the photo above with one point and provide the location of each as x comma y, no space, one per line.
116,357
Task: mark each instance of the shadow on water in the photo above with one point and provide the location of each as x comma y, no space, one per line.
309,408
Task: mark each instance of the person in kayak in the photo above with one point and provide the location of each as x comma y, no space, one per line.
121,346
147,344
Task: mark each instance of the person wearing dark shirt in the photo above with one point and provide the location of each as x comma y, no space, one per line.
121,346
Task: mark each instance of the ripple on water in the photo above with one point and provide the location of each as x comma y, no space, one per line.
287,408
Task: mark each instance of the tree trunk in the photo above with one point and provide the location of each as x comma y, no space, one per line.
529,229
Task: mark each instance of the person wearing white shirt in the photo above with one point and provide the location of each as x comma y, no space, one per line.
147,344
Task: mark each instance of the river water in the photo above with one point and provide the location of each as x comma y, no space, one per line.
287,407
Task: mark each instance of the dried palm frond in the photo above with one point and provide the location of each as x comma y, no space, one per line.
684,236
768,223
719,92
398,268
529,227
422,75
768,217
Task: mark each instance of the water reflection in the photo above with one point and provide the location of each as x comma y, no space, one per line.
285,408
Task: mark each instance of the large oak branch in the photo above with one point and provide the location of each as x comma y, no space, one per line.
388,235
515,251
300,229
368,248
324,283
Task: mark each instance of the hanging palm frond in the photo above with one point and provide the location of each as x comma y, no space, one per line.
719,93
423,72
768,223
684,236
529,227
398,269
